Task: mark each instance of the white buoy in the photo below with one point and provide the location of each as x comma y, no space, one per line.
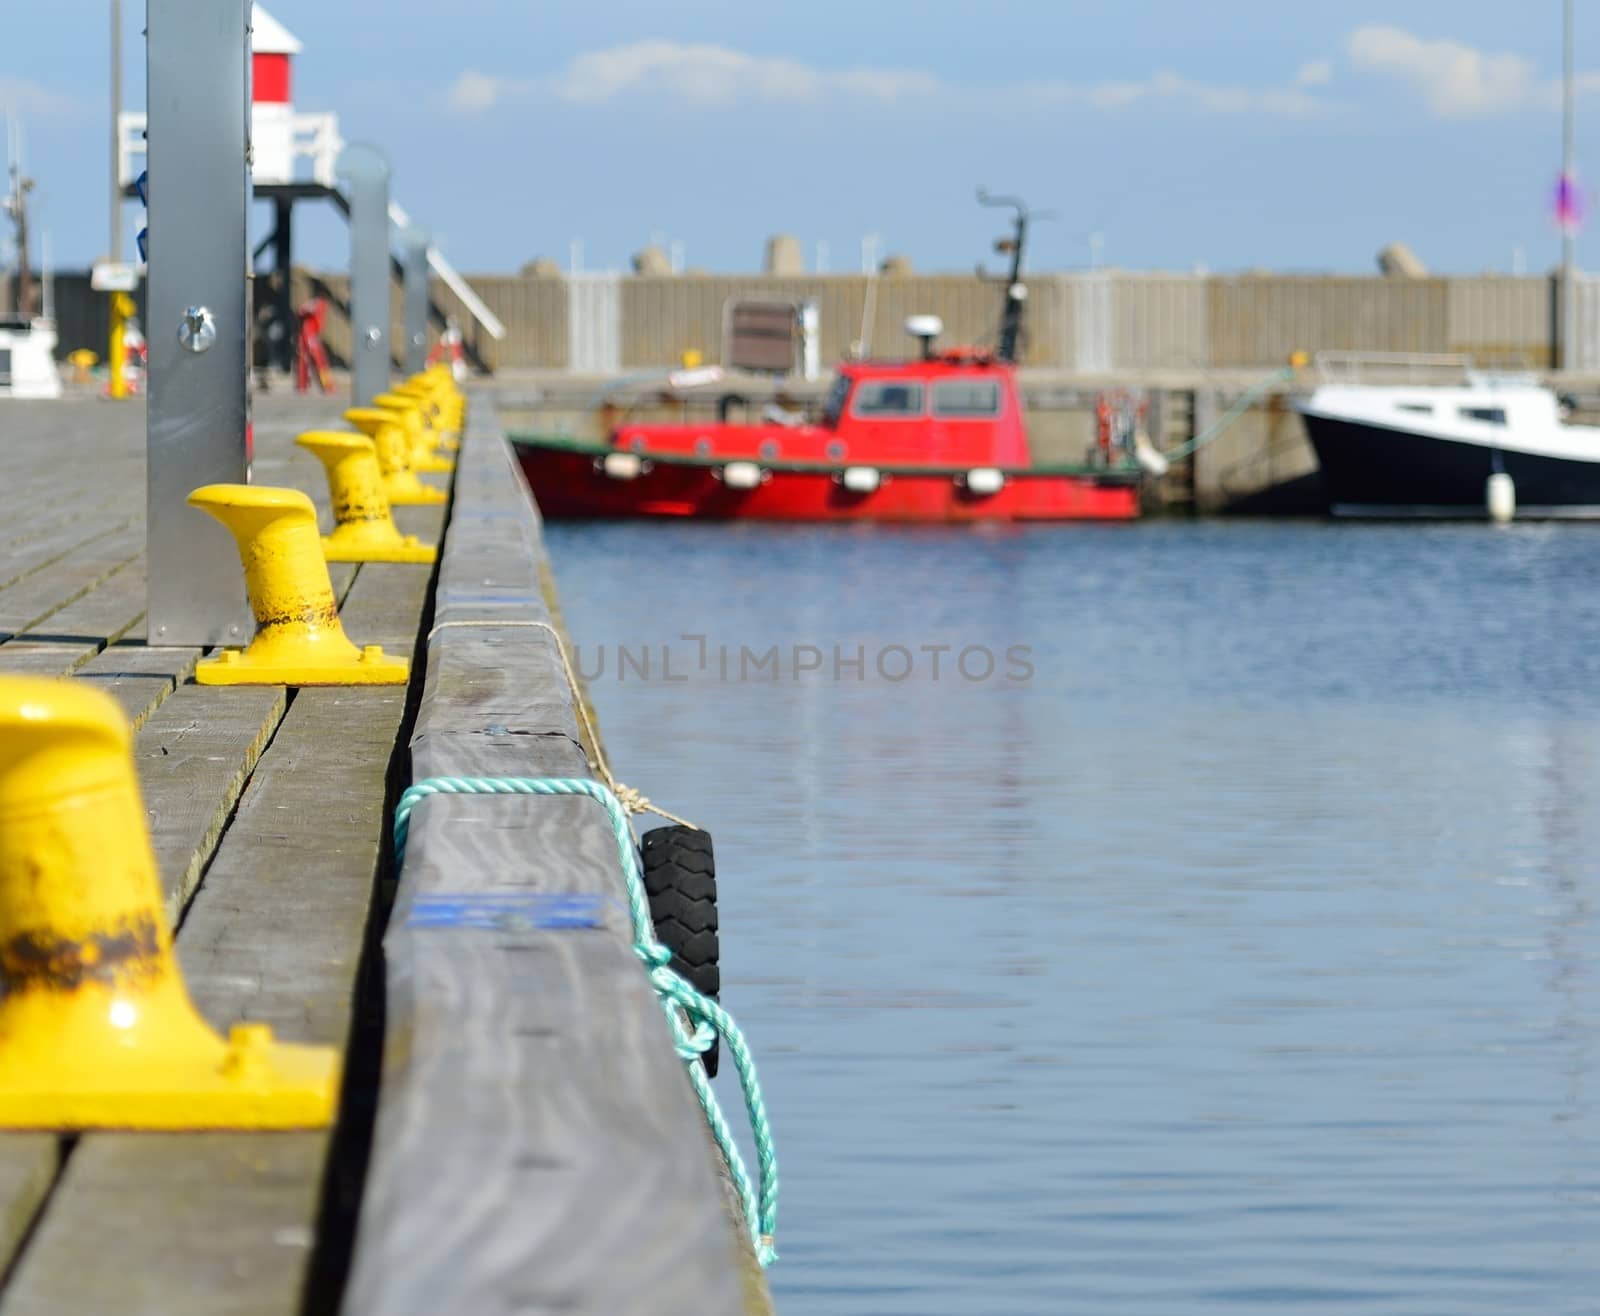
741,475
985,481
860,479
1500,495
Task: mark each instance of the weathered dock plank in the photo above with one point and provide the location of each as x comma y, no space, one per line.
36,597
571,1172
137,676
195,754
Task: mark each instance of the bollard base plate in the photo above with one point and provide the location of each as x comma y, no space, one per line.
408,491
406,550
238,667
272,1086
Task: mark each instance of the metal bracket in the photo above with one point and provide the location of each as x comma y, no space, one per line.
199,408
367,172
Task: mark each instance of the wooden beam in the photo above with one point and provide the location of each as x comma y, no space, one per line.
538,1145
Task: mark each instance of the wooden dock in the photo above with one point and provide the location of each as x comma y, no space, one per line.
531,1141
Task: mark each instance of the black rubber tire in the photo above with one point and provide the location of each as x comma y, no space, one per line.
680,878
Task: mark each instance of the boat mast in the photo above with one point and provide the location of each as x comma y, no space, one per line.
16,206
1569,217
1016,295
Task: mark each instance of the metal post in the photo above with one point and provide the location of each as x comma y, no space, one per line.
368,173
1569,256
116,139
283,262
198,412
416,266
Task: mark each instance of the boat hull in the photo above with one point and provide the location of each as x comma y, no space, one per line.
1379,470
573,485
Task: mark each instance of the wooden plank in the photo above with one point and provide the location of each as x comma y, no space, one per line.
28,1166
101,616
36,597
571,1172
137,676
35,554
39,659
196,753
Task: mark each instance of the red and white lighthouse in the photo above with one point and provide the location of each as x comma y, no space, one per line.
272,118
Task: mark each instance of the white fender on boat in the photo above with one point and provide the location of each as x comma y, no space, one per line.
741,475
1153,462
985,480
1500,496
861,479
622,465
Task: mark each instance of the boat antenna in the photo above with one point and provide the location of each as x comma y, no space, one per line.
16,206
1016,293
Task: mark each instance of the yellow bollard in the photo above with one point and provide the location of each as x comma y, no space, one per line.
97,1030
82,362
447,404
123,308
413,422
298,639
364,531
394,457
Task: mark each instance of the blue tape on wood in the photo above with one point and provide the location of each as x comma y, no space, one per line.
501,911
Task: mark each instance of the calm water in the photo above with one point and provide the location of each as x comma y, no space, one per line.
1243,959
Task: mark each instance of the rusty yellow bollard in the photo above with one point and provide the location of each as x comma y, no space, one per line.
408,412
364,530
96,1028
298,639
394,457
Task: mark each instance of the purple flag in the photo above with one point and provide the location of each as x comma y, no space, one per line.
1568,204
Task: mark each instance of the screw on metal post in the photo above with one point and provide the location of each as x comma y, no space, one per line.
198,330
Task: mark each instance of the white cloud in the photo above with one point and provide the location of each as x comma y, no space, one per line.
475,93
1455,80
20,96
1173,89
712,76
1316,73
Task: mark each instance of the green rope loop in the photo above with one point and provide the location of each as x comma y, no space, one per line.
695,1019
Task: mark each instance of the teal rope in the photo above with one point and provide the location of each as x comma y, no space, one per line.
680,1001
1247,399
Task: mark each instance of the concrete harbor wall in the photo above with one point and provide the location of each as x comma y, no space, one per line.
1089,324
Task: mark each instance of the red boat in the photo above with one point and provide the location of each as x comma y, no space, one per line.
941,438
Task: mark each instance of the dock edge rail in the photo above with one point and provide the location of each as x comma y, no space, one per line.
537,1145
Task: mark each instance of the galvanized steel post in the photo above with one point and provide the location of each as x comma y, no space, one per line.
416,267
368,173
198,78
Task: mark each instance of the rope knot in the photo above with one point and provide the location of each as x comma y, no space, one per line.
654,954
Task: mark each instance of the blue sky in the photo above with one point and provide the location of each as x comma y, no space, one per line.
1239,134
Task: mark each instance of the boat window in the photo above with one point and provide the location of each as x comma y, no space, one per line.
833,407
1493,415
966,397
889,397
1421,408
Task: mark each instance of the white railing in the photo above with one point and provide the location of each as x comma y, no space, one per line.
315,137
1410,367
453,280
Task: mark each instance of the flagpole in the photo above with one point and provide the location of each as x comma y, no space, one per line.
1569,235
